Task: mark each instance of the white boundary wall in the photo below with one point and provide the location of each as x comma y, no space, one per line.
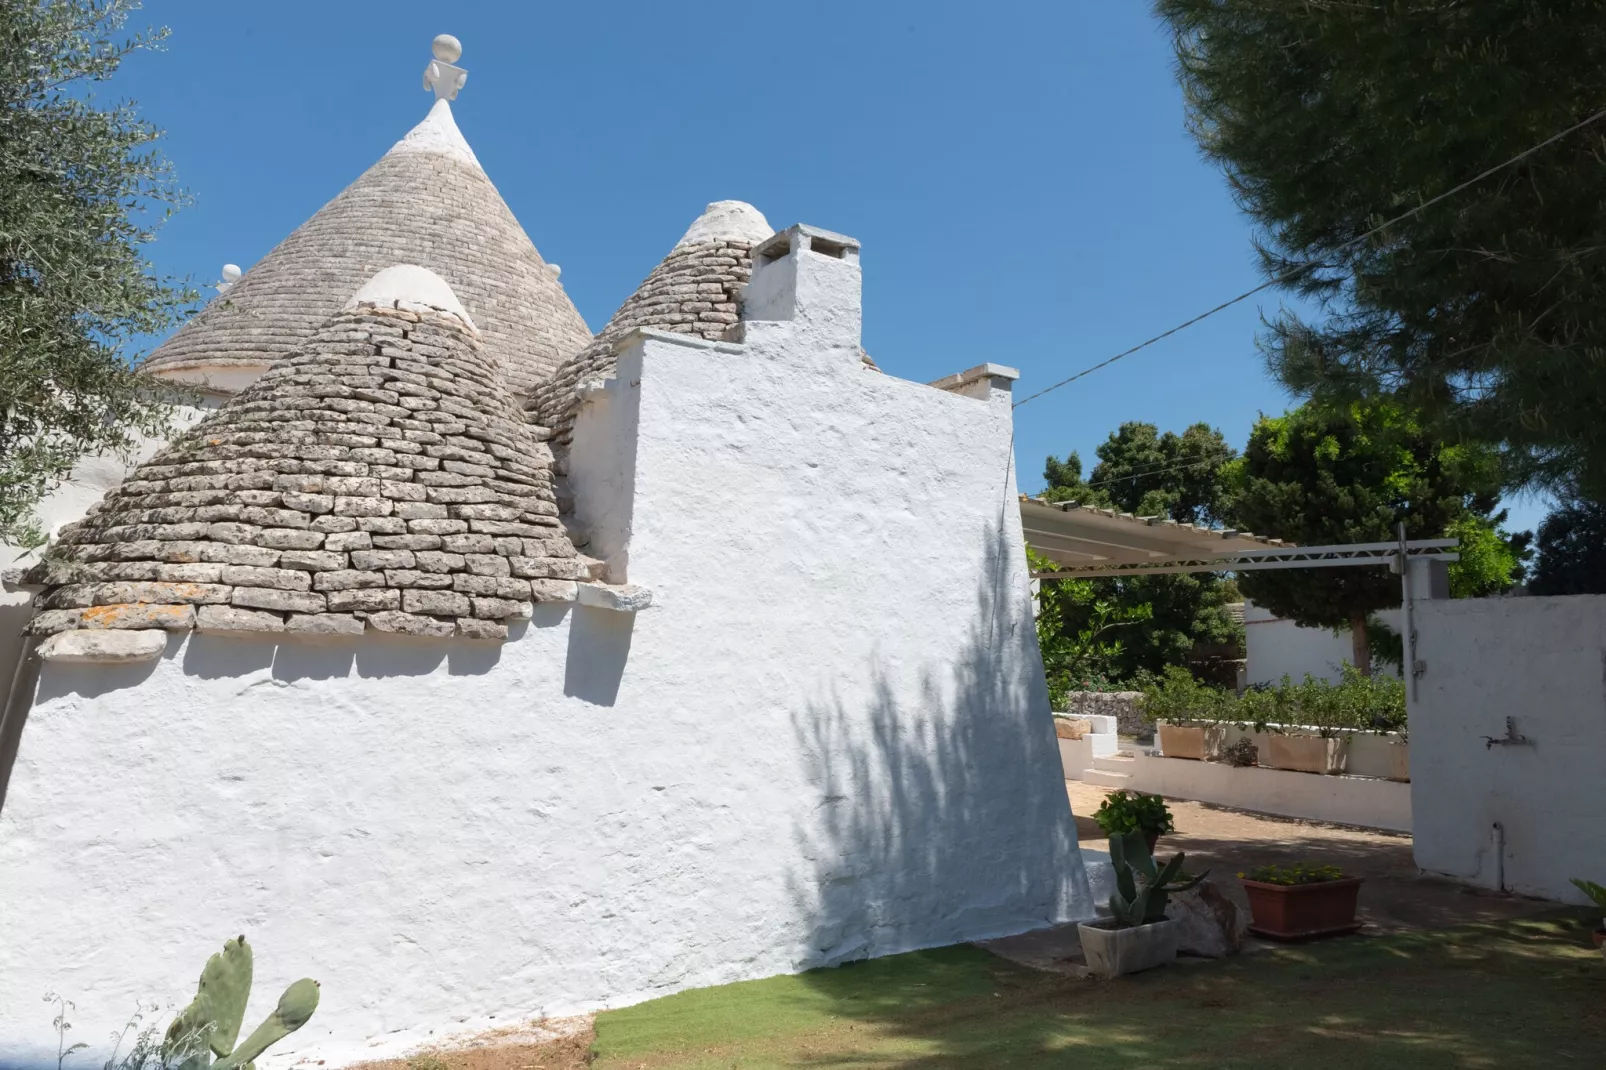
1274,647
829,738
1541,661
1344,800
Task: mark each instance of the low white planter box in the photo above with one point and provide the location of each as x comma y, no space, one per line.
1384,756
1346,800
1302,753
1113,952
1198,742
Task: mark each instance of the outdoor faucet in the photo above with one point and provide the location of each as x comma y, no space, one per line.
1511,738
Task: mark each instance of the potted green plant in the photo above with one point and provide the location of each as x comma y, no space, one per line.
1300,902
1124,811
1184,714
1311,704
1597,893
1138,935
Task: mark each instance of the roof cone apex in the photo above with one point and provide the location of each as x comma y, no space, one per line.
728,221
410,287
438,134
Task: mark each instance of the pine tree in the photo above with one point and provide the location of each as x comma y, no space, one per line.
1487,311
81,190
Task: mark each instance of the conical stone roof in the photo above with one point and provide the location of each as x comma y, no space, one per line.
378,478
693,291
426,202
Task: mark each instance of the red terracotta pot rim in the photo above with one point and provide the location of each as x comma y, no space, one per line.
1342,882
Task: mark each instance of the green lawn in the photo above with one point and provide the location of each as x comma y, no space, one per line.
1522,993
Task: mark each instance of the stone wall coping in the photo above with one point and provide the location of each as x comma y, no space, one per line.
971,375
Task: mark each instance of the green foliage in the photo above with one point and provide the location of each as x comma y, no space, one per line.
1144,472
219,1005
1356,703
1595,891
1142,889
1492,560
1297,873
81,191
1318,476
1485,310
1124,811
1079,632
1572,551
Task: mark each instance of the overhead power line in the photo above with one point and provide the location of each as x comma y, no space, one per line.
1301,268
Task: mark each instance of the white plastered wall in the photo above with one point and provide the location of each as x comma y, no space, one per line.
1274,647
1542,662
828,739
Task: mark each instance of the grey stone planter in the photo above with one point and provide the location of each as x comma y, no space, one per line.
1113,952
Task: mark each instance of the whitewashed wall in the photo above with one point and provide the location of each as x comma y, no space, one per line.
1274,647
1541,661
830,738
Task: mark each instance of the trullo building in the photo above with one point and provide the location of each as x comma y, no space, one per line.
484,669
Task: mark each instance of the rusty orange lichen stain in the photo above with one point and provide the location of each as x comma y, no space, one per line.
115,616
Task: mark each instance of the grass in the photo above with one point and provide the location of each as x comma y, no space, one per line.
1516,994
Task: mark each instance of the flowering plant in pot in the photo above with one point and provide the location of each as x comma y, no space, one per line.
1138,936
1300,902
1598,894
1125,811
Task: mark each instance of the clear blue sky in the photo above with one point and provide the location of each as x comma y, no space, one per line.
1017,172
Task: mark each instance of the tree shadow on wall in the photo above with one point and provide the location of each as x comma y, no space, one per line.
940,811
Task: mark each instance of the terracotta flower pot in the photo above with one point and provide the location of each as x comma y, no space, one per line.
1306,754
1303,911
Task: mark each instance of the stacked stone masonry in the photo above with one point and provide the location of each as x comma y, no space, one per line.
694,291
410,207
381,478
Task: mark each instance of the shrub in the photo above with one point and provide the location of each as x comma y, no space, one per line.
1298,873
1355,703
1131,811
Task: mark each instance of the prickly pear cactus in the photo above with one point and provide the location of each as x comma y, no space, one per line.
210,1025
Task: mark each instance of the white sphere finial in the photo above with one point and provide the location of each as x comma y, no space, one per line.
231,272
447,48
555,269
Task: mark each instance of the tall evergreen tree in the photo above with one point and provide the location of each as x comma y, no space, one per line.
81,190
1320,476
1487,311
1572,551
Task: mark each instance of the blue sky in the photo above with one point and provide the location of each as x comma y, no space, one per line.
1017,172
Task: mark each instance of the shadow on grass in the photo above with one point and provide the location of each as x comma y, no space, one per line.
1518,994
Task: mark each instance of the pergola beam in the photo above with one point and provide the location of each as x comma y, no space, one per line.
1352,554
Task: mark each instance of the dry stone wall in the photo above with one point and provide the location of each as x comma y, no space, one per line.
382,478
1125,706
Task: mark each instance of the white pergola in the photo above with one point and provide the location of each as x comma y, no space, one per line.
1086,542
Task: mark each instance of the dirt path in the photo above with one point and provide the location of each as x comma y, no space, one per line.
1395,897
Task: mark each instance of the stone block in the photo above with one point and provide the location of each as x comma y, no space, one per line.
165,593
439,603
334,523
470,628
468,544
253,556
234,619
406,577
423,511
290,539
382,525
362,507
407,542
53,620
284,579
348,540
626,598
430,526
103,646
496,608
363,600
273,518
280,600
346,580
382,559
313,560
401,491
226,531
140,615
409,624
325,624
491,564
437,561
309,503
194,573
554,590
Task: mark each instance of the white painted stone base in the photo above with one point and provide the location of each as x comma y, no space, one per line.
1345,800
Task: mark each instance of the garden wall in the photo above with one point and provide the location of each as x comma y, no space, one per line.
1345,800
1542,663
1125,706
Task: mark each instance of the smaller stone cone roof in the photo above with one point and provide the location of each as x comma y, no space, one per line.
427,201
378,478
693,291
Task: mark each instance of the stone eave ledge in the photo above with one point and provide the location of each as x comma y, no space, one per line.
138,632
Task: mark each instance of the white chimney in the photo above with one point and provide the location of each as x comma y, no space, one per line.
812,279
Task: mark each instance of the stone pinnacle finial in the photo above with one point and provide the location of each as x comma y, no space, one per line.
440,75
231,275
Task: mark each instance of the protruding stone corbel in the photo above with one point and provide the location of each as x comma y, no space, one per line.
104,645
622,598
